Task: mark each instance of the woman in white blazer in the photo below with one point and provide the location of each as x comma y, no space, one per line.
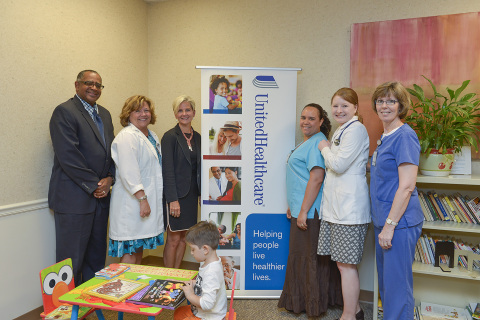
345,202
136,211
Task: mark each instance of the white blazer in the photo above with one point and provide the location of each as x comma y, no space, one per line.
345,197
138,168
213,190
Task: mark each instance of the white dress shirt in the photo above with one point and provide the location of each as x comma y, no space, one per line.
213,190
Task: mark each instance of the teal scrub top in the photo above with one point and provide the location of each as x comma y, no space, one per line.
303,159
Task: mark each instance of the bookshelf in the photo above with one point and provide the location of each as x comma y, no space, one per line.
431,284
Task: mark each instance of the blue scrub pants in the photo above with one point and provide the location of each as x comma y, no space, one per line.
395,278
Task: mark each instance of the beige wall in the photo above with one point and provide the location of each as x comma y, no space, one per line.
150,49
311,34
44,44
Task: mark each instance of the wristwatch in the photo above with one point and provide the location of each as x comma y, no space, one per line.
142,198
391,222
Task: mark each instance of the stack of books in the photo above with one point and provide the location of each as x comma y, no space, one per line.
425,251
166,294
112,271
456,208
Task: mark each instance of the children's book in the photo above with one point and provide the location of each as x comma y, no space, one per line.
111,271
431,311
116,289
166,294
65,312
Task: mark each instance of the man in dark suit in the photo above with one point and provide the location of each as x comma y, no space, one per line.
82,173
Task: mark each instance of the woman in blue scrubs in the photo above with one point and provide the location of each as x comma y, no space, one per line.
396,211
308,276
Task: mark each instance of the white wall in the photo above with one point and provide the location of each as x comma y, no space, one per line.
152,49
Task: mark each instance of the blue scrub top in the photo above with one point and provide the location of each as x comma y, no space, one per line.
301,161
402,146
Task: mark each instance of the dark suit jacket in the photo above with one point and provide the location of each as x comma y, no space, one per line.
176,163
81,158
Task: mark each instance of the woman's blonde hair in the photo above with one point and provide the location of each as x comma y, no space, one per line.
133,104
183,98
215,142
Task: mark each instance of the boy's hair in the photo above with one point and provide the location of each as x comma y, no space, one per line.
203,233
216,83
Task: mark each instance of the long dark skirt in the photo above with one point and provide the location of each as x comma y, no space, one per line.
312,282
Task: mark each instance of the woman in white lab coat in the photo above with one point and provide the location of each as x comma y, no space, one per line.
136,211
345,202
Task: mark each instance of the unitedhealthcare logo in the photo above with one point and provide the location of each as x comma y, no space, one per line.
265,82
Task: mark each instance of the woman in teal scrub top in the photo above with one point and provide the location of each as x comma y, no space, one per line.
307,279
396,211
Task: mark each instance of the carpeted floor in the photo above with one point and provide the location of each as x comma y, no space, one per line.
249,310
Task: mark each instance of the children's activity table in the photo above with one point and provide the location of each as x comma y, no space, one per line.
78,297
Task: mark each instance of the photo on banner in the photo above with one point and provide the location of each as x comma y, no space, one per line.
231,264
229,229
224,186
225,140
225,94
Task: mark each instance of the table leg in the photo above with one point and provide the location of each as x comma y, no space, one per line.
120,315
99,314
74,312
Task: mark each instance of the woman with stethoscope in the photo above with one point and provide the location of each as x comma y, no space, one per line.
345,207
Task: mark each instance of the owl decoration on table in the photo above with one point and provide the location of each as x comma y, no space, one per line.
55,281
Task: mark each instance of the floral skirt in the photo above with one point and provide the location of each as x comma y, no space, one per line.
119,248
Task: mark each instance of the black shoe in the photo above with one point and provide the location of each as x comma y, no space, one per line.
360,315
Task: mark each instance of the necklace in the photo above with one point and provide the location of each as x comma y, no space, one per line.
189,139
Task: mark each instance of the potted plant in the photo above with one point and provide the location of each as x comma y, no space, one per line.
444,124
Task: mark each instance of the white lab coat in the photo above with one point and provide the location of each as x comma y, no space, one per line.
137,168
345,192
213,190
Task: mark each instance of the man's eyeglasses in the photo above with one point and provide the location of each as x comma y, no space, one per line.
91,84
388,102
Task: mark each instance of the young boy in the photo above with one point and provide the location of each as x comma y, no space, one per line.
222,103
207,294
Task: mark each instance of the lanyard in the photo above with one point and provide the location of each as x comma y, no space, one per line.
337,141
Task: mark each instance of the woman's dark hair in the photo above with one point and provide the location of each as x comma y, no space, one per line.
326,126
216,82
235,230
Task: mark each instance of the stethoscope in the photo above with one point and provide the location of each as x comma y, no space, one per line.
337,141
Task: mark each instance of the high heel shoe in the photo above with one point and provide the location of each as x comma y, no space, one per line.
360,315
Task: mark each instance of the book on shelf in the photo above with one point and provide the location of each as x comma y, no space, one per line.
432,311
65,312
473,309
116,290
442,209
459,204
463,202
454,209
111,271
166,294
475,206
453,215
435,207
425,209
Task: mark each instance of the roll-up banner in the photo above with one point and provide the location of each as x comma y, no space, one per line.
248,131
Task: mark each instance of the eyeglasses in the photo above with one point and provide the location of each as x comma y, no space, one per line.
388,102
91,84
